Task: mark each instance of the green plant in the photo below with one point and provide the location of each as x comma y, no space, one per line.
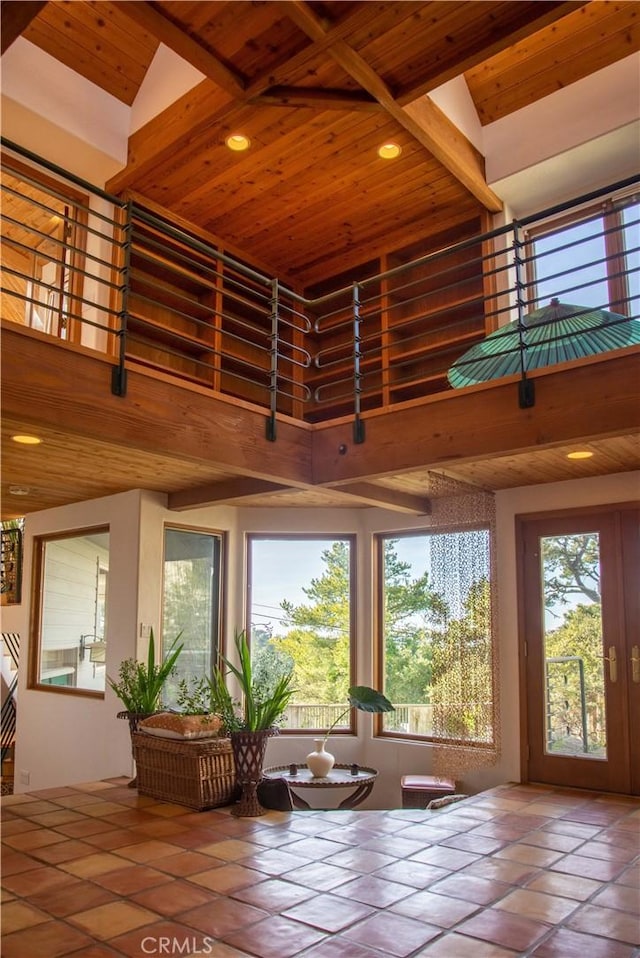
263,701
364,698
192,697
140,684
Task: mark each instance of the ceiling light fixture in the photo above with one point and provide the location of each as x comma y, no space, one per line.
26,440
580,454
238,142
19,490
389,151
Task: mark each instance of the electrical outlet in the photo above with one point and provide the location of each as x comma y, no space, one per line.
145,631
25,777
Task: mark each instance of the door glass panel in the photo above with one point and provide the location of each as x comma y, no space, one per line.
574,701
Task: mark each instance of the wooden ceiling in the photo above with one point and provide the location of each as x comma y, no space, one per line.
318,87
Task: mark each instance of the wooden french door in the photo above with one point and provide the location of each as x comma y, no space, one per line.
579,601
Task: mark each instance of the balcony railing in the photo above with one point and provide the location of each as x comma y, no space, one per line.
91,270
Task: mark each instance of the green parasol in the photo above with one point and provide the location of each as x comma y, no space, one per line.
553,334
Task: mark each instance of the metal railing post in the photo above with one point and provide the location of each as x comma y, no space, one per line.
119,373
526,387
273,377
358,424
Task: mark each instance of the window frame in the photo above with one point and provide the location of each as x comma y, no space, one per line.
379,639
73,225
218,607
352,539
34,679
610,213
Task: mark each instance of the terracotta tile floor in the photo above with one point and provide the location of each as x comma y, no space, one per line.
97,871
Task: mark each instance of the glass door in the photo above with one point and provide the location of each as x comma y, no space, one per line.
581,684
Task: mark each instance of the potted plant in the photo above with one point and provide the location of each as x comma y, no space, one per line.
250,722
139,685
320,762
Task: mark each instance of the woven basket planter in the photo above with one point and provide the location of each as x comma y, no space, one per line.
200,773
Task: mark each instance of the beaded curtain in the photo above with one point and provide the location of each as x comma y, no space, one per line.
465,665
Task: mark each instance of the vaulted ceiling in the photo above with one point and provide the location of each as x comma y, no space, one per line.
318,87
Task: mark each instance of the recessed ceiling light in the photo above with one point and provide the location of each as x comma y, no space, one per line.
19,490
389,151
27,440
238,142
580,454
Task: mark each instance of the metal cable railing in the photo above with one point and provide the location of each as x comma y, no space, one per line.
89,269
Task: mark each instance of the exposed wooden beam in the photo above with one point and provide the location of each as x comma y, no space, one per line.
422,119
446,429
15,18
152,20
214,493
317,99
384,498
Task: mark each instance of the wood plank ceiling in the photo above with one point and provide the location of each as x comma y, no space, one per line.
316,87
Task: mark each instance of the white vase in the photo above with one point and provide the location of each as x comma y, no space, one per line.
320,762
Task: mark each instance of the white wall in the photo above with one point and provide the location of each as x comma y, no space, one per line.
90,743
64,738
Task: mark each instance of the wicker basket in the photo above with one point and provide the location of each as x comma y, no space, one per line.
200,773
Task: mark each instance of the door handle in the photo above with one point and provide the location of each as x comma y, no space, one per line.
635,663
612,659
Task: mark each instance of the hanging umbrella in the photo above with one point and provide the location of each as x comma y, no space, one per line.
554,334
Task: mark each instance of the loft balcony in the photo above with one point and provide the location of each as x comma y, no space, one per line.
159,359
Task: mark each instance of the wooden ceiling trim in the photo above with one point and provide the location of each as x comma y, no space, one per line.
425,122
592,37
231,490
386,498
181,43
447,428
317,98
15,18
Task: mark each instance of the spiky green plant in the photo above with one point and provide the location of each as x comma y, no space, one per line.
140,684
263,704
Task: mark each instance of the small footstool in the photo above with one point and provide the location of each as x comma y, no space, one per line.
419,790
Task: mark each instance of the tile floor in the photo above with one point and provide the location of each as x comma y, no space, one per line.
96,870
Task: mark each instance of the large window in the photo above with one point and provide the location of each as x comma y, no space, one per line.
191,602
590,258
301,611
435,648
68,651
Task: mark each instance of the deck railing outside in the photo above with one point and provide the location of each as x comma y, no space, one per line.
91,270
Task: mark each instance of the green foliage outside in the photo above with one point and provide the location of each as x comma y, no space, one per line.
463,671
427,652
571,571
